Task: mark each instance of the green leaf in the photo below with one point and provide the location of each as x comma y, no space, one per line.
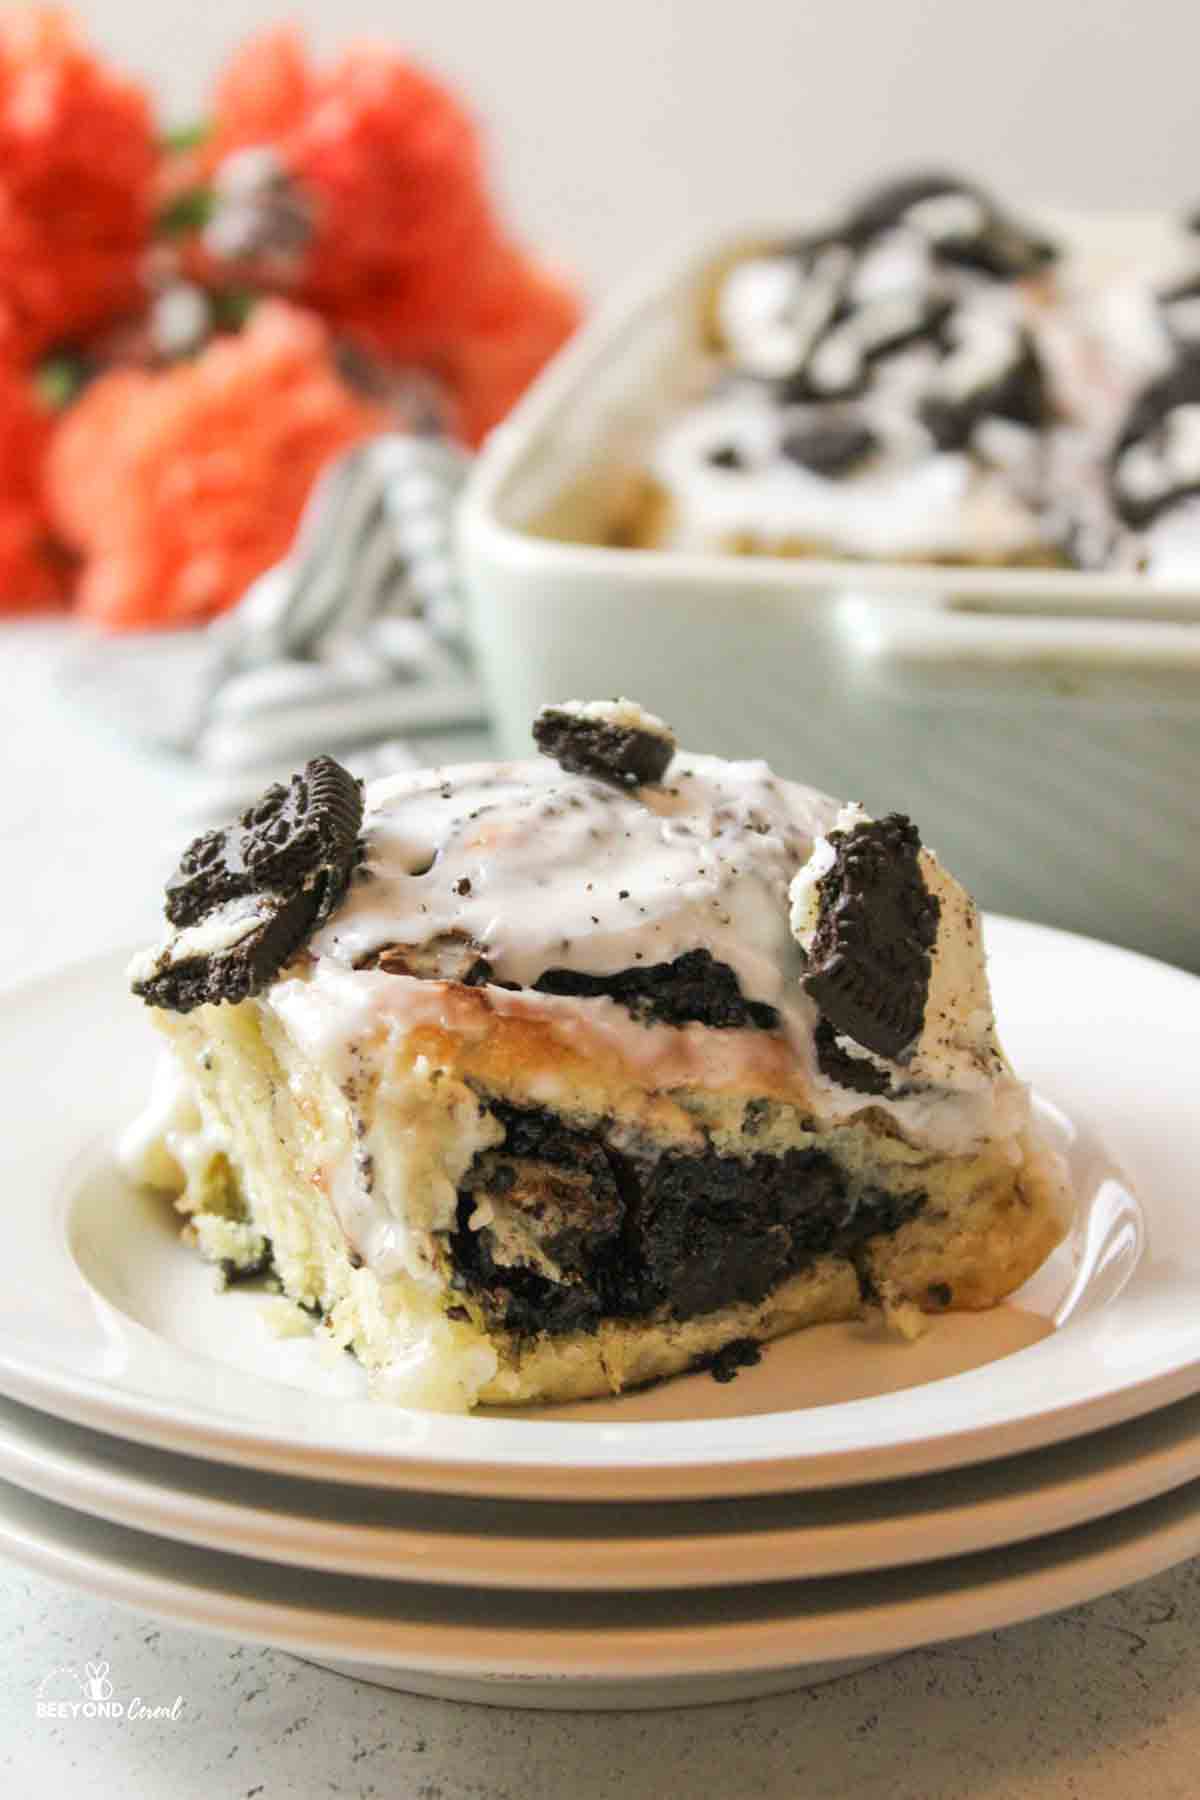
232,307
189,211
58,379
187,137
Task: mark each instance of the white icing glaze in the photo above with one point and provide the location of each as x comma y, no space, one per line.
1146,471
1171,544
170,1139
772,309
895,262
946,216
546,870
542,870
626,713
986,343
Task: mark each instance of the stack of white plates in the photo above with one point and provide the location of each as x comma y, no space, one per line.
851,1497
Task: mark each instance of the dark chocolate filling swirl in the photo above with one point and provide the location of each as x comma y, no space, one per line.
693,989
636,1233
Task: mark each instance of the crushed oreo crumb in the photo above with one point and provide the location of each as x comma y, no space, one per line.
232,1274
724,1364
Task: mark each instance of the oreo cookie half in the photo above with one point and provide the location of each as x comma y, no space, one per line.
244,900
869,960
615,741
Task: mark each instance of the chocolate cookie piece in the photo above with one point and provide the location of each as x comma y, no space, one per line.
311,823
831,449
235,952
289,833
694,988
243,900
211,871
857,1073
615,741
985,377
672,1233
869,962
1156,459
451,956
962,223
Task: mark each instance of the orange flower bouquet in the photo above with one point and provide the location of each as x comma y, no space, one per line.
190,328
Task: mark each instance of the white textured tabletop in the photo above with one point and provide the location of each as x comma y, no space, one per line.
1098,1703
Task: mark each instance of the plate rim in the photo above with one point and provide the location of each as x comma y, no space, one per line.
797,1624
1114,1473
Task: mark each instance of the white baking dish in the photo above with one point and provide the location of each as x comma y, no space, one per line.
1042,727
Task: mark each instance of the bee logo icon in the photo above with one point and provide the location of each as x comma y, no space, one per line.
99,1687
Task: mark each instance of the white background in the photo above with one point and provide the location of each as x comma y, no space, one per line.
619,126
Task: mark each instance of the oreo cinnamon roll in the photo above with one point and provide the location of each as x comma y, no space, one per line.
573,1073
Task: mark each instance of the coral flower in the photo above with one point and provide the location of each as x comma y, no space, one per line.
263,93
523,314
384,167
77,170
179,487
32,570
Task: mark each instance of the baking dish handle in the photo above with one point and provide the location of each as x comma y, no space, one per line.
932,648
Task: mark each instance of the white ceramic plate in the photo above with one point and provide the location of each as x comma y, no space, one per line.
575,1546
109,1322
600,1649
